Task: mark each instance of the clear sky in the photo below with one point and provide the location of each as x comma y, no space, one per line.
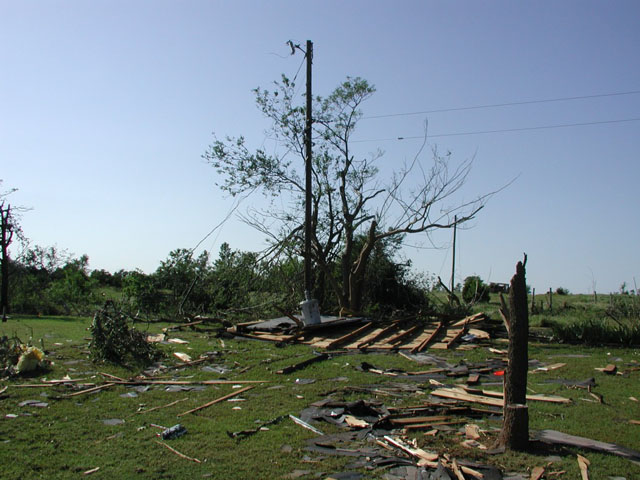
107,106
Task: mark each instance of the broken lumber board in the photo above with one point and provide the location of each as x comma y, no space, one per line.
558,438
349,336
534,397
217,400
458,394
303,364
411,420
420,426
430,338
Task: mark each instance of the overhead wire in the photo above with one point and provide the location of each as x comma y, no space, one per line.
504,104
503,130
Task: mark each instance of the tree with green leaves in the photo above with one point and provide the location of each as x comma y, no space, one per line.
350,199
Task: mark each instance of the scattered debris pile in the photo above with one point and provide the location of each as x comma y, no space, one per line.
17,358
413,335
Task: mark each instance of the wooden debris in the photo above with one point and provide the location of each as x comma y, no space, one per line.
217,400
112,377
181,455
548,368
458,394
473,379
634,422
456,470
355,422
298,366
183,357
536,473
161,407
156,338
610,369
583,463
94,389
425,458
472,431
534,397
89,472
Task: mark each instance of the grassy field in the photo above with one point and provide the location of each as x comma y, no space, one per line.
111,430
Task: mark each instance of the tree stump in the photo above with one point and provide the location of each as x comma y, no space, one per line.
515,427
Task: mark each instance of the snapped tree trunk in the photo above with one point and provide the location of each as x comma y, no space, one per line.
515,427
5,240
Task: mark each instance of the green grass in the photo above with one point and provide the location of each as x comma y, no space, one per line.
69,436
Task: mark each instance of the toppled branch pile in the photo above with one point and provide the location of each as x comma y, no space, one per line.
112,340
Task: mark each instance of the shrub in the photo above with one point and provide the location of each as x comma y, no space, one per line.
562,291
475,290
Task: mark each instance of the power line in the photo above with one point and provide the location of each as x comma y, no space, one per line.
506,104
505,130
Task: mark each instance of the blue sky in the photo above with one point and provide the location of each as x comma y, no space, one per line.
107,106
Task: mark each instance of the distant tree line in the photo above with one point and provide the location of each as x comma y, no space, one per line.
50,281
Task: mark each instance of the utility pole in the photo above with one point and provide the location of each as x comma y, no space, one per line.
310,310
308,155
453,261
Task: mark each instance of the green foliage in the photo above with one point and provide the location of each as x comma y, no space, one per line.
562,291
475,290
112,340
597,332
142,293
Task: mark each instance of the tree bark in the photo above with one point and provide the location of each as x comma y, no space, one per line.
515,427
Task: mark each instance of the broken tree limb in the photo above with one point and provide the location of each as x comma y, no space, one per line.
306,363
217,400
181,455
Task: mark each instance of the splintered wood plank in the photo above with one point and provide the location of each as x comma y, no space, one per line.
349,336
